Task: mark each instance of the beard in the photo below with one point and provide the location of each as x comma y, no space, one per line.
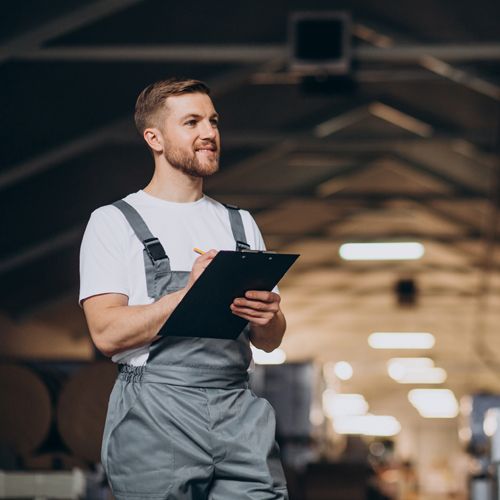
188,162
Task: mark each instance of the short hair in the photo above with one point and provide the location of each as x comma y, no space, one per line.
152,99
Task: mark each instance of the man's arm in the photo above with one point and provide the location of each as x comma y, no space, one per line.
267,323
115,326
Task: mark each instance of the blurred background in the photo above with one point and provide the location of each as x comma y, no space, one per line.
343,123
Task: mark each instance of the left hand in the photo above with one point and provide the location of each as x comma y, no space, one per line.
258,307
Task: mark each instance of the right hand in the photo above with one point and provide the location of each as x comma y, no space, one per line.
200,264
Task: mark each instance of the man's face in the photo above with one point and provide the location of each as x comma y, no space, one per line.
190,130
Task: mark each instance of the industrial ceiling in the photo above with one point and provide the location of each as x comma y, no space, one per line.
409,152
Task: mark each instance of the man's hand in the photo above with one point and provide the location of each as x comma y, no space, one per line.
257,307
200,264
267,323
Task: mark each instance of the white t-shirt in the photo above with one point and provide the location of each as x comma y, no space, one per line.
111,255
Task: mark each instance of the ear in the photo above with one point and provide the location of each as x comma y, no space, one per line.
154,139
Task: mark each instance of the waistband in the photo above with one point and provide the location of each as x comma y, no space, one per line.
185,376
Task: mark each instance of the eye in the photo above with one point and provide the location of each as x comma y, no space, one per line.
214,122
190,123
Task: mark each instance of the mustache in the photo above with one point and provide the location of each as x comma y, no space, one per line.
205,144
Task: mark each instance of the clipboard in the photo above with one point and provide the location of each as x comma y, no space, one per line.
205,309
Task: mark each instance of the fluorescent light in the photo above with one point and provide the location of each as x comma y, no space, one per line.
367,425
396,367
434,403
415,371
382,251
276,357
336,405
432,375
343,370
490,422
401,340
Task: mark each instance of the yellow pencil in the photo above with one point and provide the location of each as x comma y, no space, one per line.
197,250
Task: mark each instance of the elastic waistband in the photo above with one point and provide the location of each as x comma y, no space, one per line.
185,376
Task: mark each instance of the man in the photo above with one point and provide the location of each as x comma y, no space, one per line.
181,423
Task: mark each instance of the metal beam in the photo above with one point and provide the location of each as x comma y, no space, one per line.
40,250
250,53
50,159
433,60
76,19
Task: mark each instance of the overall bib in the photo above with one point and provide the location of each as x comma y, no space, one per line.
185,425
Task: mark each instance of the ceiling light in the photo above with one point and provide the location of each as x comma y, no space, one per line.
401,340
490,422
415,371
276,357
336,405
343,370
382,251
367,425
432,375
434,403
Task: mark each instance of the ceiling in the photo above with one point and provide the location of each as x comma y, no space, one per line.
410,151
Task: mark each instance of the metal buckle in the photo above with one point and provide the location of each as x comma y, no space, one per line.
241,245
155,249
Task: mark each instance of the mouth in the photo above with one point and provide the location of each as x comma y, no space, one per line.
208,151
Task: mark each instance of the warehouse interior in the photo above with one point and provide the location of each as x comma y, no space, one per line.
392,136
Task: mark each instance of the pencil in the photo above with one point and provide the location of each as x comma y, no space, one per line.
197,250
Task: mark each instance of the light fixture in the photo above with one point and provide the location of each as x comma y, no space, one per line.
276,357
367,425
490,422
335,405
415,371
434,403
382,251
401,340
343,370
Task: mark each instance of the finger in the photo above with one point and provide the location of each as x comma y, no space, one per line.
263,296
254,320
252,312
207,256
256,305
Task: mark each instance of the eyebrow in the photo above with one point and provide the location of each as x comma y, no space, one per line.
195,115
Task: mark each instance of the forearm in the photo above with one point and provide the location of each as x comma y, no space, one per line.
268,337
125,327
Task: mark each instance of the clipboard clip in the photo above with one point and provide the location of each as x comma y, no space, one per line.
256,251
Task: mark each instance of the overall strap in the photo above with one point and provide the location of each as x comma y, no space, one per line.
152,245
237,227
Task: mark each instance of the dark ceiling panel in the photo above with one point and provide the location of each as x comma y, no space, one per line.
19,17
48,104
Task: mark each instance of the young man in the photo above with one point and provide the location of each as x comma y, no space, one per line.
181,423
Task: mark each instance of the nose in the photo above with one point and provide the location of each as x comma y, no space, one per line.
207,130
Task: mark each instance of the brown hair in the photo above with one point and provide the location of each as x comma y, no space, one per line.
152,99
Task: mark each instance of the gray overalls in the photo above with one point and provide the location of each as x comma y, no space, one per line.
186,425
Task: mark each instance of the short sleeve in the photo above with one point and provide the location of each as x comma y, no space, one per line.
102,256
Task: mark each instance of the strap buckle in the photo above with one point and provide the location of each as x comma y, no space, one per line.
155,249
242,245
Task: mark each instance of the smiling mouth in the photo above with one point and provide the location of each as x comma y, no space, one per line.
207,152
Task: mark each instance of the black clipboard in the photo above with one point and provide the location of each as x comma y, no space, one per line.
205,309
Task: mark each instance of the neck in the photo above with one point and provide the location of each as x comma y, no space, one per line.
170,184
